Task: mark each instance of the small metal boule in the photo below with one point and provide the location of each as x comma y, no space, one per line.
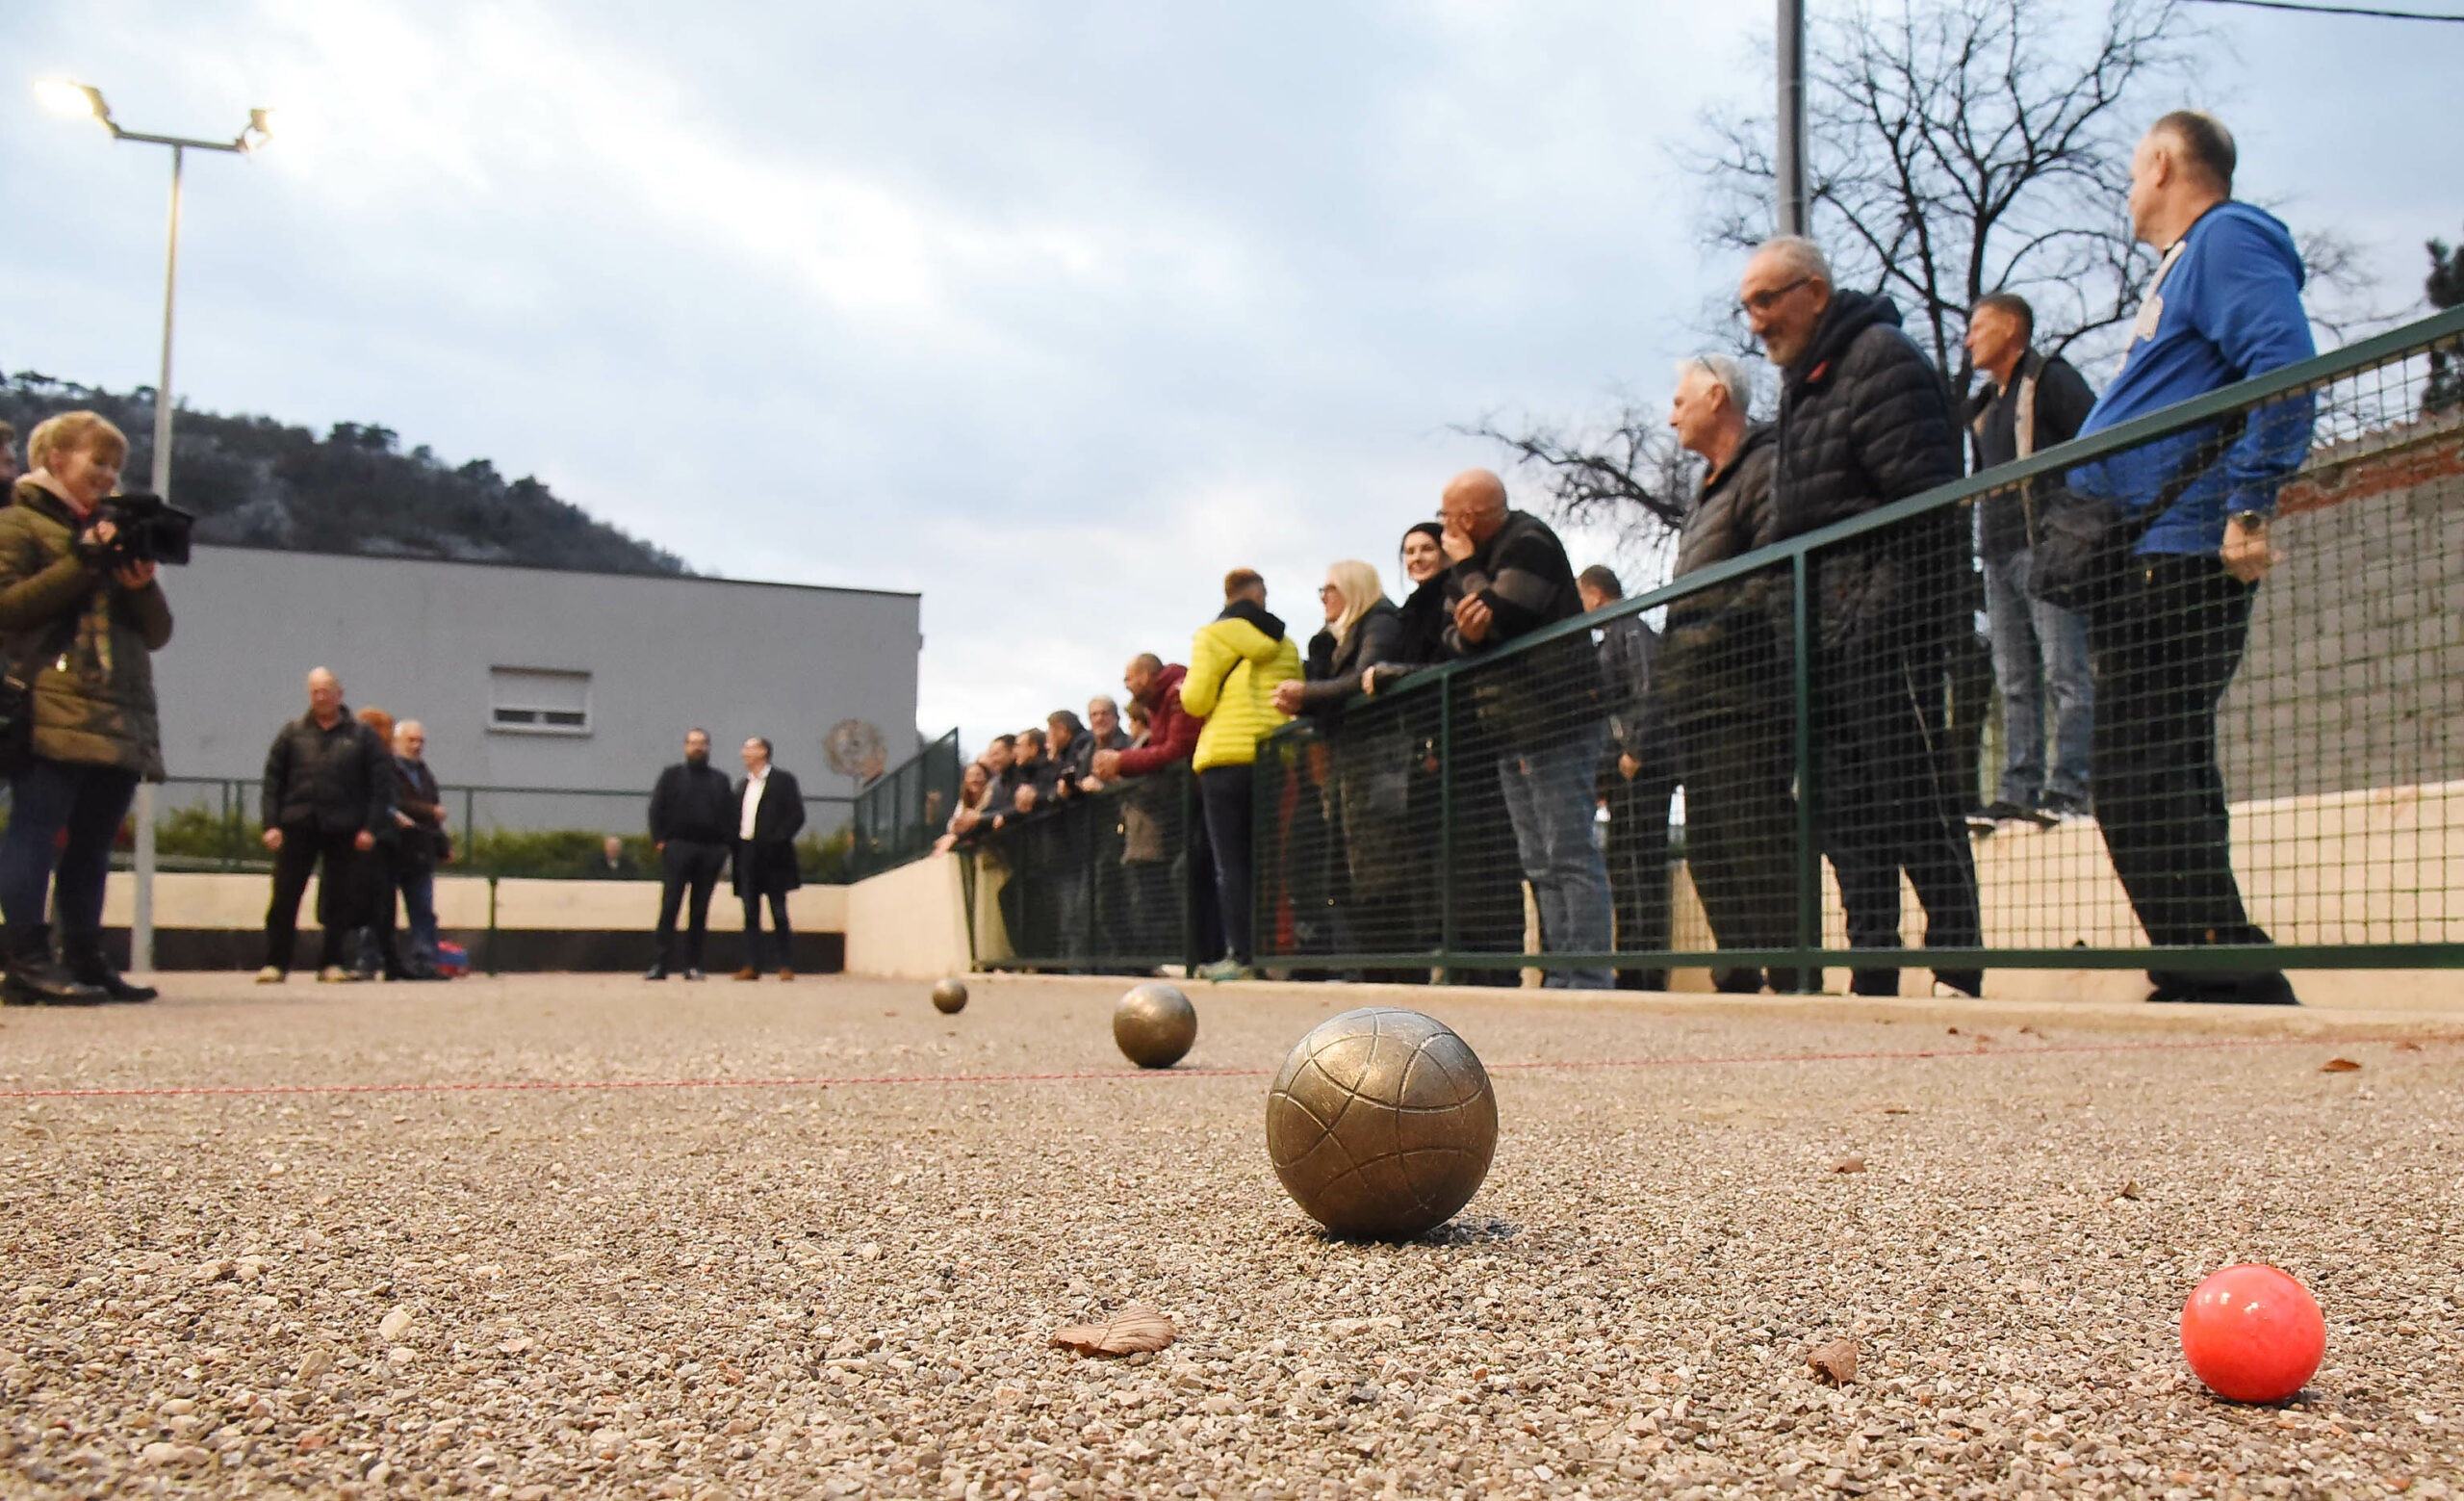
1155,1026
1381,1123
949,996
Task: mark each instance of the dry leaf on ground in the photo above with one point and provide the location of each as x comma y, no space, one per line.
1849,1165
1835,1362
2131,1189
2340,1066
1132,1330
2408,1046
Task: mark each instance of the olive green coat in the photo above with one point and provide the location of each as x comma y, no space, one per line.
94,696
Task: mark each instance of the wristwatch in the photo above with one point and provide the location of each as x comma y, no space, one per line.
2250,520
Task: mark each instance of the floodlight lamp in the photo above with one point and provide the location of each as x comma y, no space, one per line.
64,97
260,130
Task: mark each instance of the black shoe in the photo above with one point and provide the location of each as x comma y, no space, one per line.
2265,987
657,972
693,973
34,979
82,956
1873,982
1968,982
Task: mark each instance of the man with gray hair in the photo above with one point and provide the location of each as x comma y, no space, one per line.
1864,420
1723,678
328,788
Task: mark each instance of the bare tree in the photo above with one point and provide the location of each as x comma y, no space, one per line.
1960,147
1620,472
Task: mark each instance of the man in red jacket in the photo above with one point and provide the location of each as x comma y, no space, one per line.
1172,734
1175,880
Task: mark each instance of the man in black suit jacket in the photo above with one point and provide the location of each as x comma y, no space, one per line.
770,812
692,823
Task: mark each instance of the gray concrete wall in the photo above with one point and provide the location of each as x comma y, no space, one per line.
2355,673
419,639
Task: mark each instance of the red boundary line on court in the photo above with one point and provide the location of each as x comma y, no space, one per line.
1122,1074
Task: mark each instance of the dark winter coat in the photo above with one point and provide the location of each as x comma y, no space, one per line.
1548,694
1372,639
94,691
1420,633
1722,651
417,795
1629,660
1864,420
692,803
2045,404
339,778
766,862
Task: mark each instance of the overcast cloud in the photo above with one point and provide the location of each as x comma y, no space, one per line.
1053,312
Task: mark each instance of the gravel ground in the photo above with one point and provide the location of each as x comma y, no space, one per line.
796,1289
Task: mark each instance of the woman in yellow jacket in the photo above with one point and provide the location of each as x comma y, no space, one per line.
1235,662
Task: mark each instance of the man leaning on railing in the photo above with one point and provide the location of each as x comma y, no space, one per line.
2226,306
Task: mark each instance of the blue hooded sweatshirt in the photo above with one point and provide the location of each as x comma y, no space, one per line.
2229,308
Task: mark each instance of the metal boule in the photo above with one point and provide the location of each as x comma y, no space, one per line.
1381,1123
1155,1026
949,996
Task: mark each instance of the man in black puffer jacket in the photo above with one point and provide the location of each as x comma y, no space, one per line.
328,788
1864,421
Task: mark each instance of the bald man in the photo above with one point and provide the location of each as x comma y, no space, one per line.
328,788
1542,713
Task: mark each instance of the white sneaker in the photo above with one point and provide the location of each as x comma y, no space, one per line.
333,974
272,974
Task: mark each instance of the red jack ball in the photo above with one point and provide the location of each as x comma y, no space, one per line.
2253,1334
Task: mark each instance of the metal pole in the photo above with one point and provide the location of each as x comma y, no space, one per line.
140,928
1789,156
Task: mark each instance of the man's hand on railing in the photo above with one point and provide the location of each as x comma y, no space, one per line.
2246,553
1107,764
1472,618
1090,784
1025,799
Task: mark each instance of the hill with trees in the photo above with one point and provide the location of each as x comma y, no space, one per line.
253,481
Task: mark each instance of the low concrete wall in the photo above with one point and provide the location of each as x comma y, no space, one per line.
909,924
211,921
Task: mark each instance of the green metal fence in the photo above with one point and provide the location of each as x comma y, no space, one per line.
898,816
2278,773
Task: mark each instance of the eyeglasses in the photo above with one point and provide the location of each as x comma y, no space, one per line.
1326,589
1765,301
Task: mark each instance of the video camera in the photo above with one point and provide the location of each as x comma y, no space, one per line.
146,528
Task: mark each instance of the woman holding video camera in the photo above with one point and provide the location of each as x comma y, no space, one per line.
79,623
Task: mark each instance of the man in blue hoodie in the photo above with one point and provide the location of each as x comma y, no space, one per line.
2227,305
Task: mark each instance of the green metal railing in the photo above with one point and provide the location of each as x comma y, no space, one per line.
1816,674
898,816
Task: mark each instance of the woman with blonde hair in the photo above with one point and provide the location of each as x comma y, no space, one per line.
1370,759
79,625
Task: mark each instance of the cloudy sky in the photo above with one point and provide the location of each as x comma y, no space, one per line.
1051,311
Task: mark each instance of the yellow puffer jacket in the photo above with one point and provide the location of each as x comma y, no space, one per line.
1235,663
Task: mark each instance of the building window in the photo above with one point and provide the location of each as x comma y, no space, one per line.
536,701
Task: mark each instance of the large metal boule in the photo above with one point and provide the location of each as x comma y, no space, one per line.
1381,1123
949,996
1155,1026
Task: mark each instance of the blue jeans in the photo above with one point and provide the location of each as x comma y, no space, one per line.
45,799
2039,658
1548,800
419,913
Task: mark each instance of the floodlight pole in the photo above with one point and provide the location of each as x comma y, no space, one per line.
1788,158
141,927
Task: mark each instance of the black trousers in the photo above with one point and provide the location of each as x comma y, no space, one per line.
1638,877
1740,770
380,889
769,950
339,897
1225,794
2164,653
1886,799
687,866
